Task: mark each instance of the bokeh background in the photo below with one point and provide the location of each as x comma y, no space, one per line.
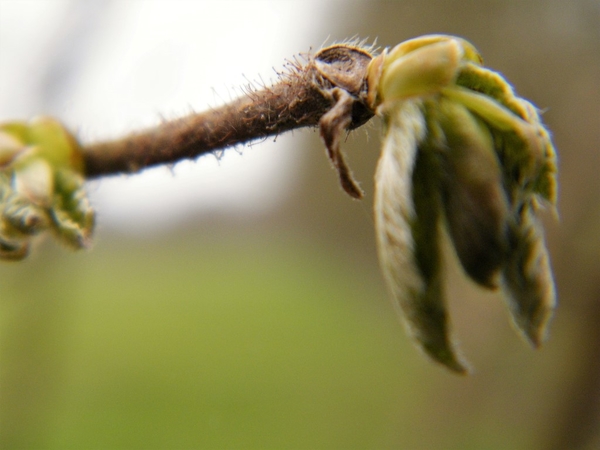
237,302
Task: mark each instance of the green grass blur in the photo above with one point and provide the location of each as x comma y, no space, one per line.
236,339
199,345
225,342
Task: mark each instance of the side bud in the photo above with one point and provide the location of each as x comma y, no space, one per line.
42,187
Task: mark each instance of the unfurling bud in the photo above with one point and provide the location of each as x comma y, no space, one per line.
41,187
407,220
474,201
460,150
528,278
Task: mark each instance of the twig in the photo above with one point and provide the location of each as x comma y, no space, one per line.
303,95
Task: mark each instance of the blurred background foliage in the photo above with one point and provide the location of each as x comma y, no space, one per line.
274,330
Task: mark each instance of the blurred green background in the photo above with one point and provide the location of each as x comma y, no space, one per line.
275,330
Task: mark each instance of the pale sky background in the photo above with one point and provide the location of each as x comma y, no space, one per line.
109,67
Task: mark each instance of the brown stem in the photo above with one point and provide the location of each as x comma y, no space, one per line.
301,98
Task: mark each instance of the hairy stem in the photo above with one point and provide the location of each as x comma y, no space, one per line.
300,98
